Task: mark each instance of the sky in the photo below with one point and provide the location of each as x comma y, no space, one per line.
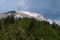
50,9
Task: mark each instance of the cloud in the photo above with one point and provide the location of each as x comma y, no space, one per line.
6,5
48,8
22,4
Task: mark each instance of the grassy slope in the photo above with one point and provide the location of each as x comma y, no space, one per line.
27,29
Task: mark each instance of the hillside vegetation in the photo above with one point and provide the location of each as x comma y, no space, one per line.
28,29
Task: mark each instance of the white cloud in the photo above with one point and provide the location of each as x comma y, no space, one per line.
13,5
21,3
18,3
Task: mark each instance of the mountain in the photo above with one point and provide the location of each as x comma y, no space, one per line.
22,14
27,29
23,25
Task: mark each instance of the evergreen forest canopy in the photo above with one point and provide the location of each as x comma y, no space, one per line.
28,29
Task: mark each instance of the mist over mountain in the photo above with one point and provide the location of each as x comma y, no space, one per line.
22,14
48,8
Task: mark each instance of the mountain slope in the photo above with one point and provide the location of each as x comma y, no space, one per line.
28,29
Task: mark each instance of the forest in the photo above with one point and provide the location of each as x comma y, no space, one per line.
28,29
